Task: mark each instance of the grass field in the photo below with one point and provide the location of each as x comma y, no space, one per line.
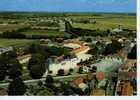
15,42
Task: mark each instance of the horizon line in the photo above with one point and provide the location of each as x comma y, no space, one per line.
68,11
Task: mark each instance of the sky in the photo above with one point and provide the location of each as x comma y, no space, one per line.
69,5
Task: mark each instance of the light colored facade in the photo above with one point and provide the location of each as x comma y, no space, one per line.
5,49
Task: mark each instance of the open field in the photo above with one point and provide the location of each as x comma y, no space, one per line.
104,24
105,20
15,42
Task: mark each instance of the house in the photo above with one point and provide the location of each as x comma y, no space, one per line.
117,30
24,58
125,89
78,81
90,76
92,21
100,75
5,49
83,86
97,92
3,92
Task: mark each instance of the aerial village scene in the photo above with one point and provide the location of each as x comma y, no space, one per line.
68,52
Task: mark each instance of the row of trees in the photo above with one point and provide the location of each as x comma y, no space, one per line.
85,32
14,34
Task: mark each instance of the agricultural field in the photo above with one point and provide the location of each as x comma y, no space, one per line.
9,27
107,21
15,42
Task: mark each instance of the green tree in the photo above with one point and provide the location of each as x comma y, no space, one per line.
133,53
36,66
49,81
35,48
68,27
70,71
80,71
16,87
112,47
9,66
37,71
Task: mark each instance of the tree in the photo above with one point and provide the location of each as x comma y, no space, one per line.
16,87
61,72
2,74
133,53
14,72
94,51
80,70
70,71
14,68
66,89
108,31
36,66
9,66
40,83
13,34
88,40
78,91
49,81
68,26
112,47
36,58
94,69
12,54
37,71
57,51
34,48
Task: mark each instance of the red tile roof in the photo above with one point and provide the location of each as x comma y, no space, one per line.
78,81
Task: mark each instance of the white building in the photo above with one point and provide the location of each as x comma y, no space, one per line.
5,49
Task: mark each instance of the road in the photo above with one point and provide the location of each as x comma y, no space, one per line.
34,81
